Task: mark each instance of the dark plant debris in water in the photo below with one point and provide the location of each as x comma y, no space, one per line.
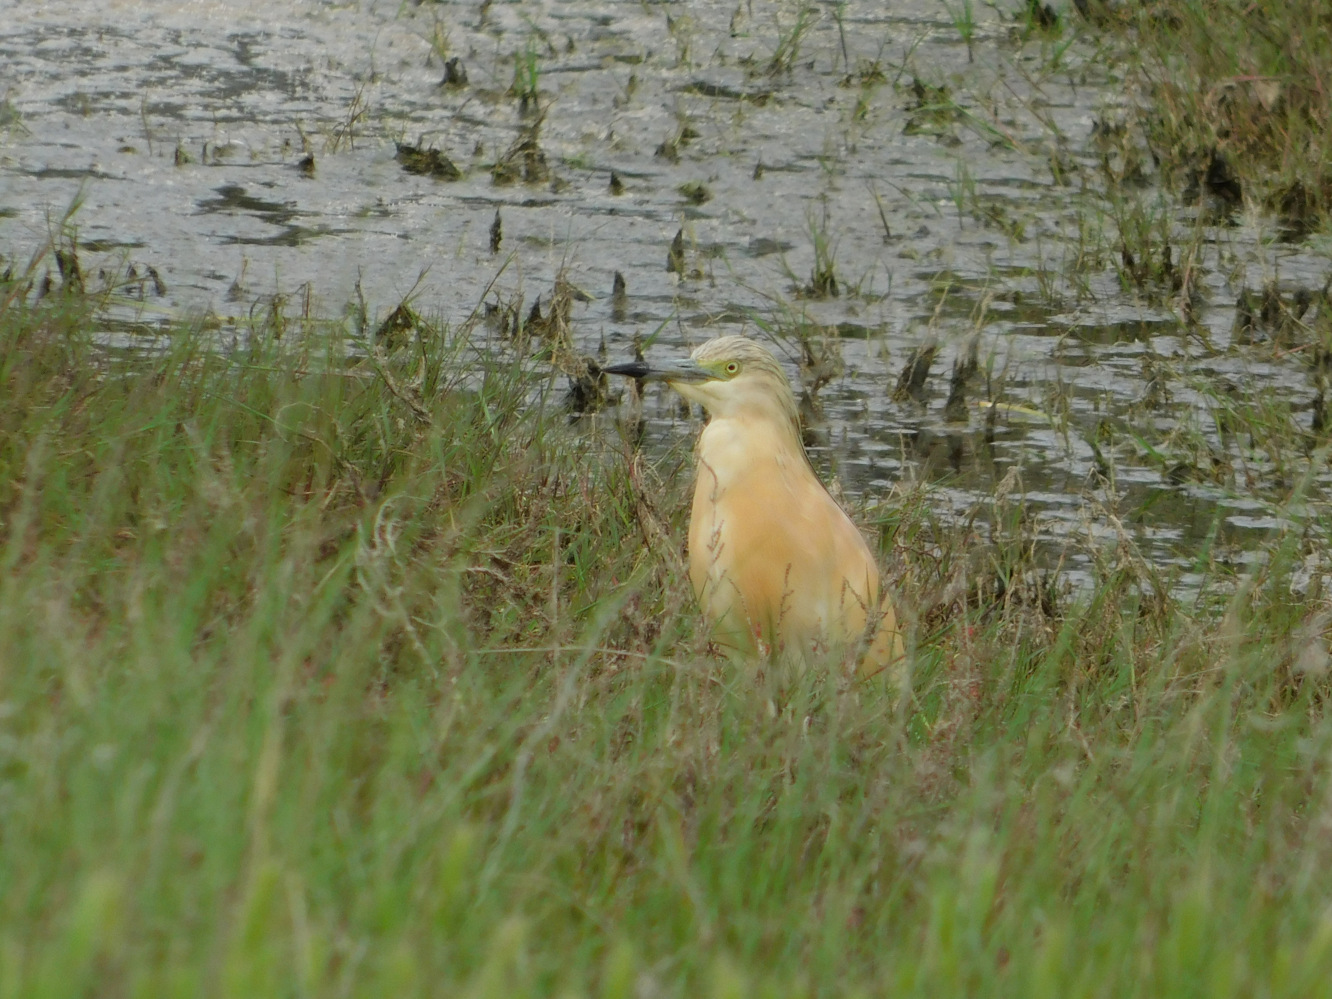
911,383
428,161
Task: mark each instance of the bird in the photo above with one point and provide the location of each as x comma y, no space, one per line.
777,566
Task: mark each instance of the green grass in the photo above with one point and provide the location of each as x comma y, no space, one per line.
323,676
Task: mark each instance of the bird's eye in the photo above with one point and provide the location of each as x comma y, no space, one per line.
732,367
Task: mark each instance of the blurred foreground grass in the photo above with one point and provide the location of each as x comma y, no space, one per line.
328,677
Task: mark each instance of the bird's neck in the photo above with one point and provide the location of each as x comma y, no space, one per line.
734,444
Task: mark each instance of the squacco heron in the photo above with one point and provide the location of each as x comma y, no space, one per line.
777,566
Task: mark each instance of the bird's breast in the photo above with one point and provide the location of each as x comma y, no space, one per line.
775,562
771,554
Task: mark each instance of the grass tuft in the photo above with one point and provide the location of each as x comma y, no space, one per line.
1239,101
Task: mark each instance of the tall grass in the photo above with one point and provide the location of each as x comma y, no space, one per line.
329,676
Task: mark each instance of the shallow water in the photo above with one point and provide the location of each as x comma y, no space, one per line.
180,127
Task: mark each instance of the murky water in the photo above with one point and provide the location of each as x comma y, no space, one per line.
776,136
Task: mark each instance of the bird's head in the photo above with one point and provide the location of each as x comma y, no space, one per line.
730,376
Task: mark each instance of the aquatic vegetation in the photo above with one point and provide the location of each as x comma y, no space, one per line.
527,77
963,17
790,37
426,160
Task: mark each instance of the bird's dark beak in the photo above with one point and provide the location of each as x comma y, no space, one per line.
670,371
